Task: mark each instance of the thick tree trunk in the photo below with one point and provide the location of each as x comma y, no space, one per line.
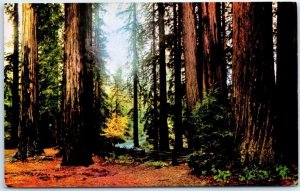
78,101
135,80
253,82
15,88
214,69
163,131
178,95
287,102
29,140
190,59
190,56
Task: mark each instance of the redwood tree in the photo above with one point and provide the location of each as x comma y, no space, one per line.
213,66
253,82
78,87
190,61
190,56
286,81
29,140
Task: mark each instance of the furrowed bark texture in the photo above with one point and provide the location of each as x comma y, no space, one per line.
79,85
213,66
190,46
29,141
253,82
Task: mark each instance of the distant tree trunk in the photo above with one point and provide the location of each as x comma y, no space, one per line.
29,140
287,101
178,95
78,101
214,69
135,80
190,47
164,133
155,97
253,82
15,88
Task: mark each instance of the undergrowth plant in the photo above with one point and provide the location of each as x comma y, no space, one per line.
211,136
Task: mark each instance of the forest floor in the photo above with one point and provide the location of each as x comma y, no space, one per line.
46,171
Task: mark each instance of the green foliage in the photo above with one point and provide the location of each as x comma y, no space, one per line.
211,136
282,171
50,63
221,175
254,173
157,164
124,159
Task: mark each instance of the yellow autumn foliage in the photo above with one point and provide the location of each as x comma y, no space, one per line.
116,126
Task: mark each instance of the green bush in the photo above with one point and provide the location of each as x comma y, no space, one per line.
221,175
282,171
211,135
254,173
157,164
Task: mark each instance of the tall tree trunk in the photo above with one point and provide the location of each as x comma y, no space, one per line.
164,132
253,82
155,97
178,94
29,142
79,85
135,80
190,59
190,47
214,69
15,88
287,101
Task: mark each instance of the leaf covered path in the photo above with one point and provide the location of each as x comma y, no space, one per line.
46,171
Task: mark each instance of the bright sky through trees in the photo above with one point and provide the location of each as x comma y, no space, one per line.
117,41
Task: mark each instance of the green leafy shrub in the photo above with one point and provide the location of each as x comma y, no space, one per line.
157,164
211,135
282,171
221,175
254,173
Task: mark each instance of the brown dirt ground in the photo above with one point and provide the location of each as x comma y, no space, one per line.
43,173
38,172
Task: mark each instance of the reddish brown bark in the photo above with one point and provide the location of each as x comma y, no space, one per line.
190,46
29,142
253,82
78,88
213,66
